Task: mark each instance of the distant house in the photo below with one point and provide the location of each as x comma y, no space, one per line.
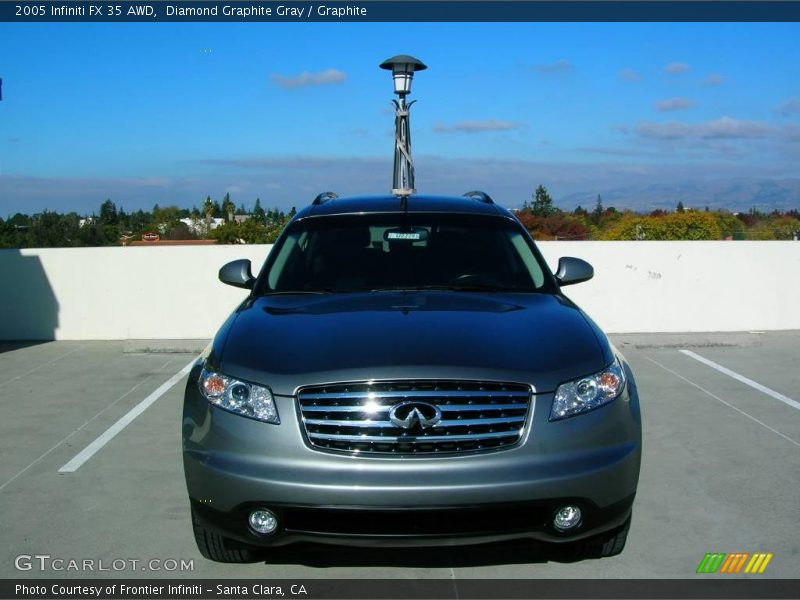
198,226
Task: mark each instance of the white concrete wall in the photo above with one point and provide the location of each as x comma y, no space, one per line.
173,292
687,286
167,292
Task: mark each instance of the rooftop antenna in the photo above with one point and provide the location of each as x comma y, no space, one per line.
402,68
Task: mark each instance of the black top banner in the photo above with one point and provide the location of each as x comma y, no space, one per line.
403,11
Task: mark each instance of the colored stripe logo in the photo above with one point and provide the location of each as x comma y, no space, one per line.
735,562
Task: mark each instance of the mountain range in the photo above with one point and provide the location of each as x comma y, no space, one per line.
735,195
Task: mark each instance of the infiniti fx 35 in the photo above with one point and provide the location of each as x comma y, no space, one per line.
409,374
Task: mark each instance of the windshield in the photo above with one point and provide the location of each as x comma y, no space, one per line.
404,252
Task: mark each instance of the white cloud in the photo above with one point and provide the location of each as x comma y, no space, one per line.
673,104
788,108
306,78
485,125
630,75
714,79
560,66
722,128
792,133
676,68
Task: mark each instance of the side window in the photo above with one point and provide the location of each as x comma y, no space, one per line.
290,260
528,258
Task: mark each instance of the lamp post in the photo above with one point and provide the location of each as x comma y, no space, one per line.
402,68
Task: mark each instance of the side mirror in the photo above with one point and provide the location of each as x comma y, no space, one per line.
238,274
573,270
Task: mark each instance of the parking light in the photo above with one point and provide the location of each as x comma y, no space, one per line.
567,517
263,521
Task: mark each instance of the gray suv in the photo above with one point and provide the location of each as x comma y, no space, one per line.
409,373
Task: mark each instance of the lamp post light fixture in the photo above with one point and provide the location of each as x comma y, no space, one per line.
402,68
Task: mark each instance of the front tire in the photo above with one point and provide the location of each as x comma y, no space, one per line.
218,548
608,544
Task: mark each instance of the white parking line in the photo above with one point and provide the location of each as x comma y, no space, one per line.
79,429
728,404
743,379
109,434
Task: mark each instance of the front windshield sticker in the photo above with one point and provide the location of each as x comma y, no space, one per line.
395,235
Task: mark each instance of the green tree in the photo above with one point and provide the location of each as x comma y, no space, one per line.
776,226
680,207
181,231
597,213
253,232
542,203
598,206
14,233
689,225
108,213
167,218
259,216
208,210
139,222
227,233
729,225
51,230
785,227
93,234
228,207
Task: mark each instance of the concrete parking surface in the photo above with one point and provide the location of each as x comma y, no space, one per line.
720,471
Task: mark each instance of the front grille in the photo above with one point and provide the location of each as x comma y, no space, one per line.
474,416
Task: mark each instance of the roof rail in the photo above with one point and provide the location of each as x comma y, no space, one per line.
479,195
324,197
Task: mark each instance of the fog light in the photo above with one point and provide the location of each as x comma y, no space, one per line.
567,517
263,521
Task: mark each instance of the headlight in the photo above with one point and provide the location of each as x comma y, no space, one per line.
246,399
585,394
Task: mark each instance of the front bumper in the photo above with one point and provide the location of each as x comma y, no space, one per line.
233,465
402,526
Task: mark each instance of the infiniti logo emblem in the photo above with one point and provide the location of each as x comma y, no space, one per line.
407,414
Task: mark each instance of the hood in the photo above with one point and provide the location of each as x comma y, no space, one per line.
288,341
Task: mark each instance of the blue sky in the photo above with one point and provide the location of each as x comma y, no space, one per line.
170,112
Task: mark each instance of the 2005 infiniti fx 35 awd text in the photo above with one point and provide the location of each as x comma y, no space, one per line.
409,373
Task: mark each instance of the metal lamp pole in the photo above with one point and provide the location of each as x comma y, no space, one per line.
402,68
